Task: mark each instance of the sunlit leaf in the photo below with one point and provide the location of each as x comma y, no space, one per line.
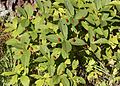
29,10
25,80
25,59
69,7
60,69
81,14
66,46
64,29
65,81
75,64
56,79
77,41
22,12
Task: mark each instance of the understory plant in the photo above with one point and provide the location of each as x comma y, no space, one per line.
63,43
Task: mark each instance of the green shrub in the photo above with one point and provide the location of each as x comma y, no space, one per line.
65,43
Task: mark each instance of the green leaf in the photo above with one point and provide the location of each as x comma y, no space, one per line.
105,2
12,42
25,38
29,9
118,7
105,16
22,12
43,66
65,54
114,80
114,39
65,81
85,24
44,50
98,4
14,80
25,22
40,5
41,59
25,58
39,82
101,41
75,64
81,14
18,68
93,47
61,69
25,80
103,83
18,31
49,82
77,41
98,53
69,73
117,65
66,46
7,73
56,79
64,29
91,34
36,76
79,80
90,19
53,38
56,53
67,61
74,22
60,1
99,31
106,33
103,23
91,62
13,26
34,35
51,70
15,43
69,7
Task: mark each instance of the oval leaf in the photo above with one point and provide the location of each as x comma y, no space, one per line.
25,80
77,41
69,6
65,81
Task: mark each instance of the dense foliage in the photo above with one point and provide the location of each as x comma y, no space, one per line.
61,43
